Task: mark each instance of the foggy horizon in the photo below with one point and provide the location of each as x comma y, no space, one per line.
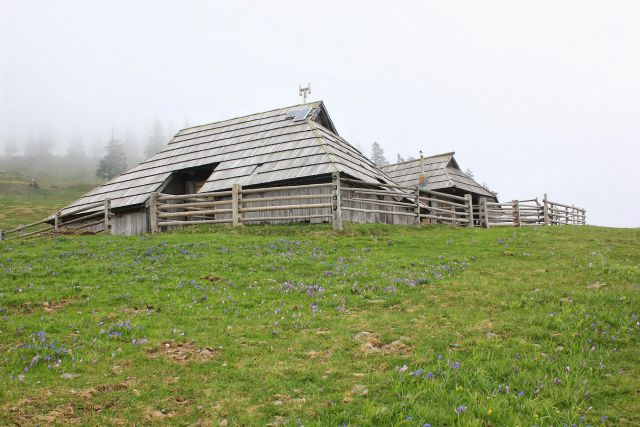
534,98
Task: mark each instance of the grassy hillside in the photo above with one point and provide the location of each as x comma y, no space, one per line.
379,325
22,204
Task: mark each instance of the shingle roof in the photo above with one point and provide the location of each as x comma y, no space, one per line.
250,150
441,171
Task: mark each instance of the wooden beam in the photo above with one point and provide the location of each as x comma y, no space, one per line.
486,213
336,202
284,218
107,216
153,212
235,205
516,213
469,209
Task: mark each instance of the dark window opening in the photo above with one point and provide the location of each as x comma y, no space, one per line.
190,180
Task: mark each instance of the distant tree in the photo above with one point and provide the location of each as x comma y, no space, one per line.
132,148
11,147
410,158
468,173
45,144
114,161
156,139
400,159
377,155
31,146
76,150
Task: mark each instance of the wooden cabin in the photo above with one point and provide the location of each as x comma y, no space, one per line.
287,147
441,173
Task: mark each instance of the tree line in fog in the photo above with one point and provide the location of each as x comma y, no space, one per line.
45,157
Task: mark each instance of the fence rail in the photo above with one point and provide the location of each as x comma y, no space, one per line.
71,221
355,201
520,213
240,206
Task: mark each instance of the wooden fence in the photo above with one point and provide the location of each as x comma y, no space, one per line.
338,201
240,206
95,216
349,200
520,213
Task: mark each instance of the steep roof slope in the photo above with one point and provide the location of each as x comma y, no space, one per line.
440,170
277,145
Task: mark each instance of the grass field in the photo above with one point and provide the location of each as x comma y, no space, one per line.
22,204
379,325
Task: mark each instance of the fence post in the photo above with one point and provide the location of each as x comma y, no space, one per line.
1,235
337,202
153,212
485,213
545,212
417,196
516,213
469,209
107,216
56,220
235,205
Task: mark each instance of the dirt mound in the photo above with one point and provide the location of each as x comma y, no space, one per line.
183,352
370,344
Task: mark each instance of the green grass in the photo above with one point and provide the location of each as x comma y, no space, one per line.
22,204
520,327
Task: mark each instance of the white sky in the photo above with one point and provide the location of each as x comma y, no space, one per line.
534,96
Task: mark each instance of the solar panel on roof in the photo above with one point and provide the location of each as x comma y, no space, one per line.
302,114
291,114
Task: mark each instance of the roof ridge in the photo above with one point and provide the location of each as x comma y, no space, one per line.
320,139
449,153
249,115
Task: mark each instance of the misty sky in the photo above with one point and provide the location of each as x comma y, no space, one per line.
533,96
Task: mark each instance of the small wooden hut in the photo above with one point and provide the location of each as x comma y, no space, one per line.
440,173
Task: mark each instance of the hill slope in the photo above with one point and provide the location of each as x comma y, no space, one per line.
382,325
22,204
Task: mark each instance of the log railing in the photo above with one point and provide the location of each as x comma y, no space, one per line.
520,213
352,200
96,215
242,206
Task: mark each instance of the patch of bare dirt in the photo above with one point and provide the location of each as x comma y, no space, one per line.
148,309
322,355
46,306
212,278
596,285
64,414
356,390
183,352
156,415
278,421
52,306
106,388
370,344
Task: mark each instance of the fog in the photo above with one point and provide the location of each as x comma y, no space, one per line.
533,97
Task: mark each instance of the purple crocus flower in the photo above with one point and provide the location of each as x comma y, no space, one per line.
460,409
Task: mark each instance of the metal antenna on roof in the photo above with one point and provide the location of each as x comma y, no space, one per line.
304,91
